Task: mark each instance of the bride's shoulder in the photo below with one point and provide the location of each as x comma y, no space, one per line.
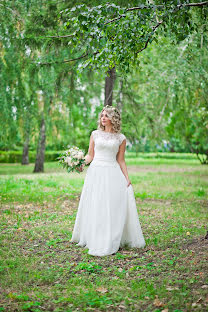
122,137
94,133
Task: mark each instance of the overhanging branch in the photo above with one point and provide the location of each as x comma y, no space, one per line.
66,61
64,36
148,40
179,6
199,4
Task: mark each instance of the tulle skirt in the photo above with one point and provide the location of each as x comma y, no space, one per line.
107,216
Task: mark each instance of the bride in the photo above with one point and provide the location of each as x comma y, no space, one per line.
107,216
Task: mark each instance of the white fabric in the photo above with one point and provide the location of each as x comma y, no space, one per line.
107,216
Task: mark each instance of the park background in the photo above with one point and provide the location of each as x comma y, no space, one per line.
60,63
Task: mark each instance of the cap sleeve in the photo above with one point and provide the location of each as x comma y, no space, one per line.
121,138
94,134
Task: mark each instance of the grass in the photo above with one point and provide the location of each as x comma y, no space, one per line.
40,270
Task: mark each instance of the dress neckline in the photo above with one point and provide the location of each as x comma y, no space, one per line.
108,132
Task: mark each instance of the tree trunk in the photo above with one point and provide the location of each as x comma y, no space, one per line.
120,97
109,83
25,154
39,162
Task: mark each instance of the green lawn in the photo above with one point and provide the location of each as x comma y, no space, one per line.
40,270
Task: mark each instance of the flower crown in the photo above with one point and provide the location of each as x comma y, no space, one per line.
112,107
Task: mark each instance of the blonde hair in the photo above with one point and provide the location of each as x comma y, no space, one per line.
113,115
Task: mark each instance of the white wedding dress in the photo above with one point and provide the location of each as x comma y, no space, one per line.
107,216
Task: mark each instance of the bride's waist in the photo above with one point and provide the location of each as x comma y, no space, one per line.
111,159
104,161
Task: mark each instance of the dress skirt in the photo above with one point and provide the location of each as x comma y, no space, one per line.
107,216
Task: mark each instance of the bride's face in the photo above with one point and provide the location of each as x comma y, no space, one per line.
105,119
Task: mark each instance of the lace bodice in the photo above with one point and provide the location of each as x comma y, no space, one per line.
106,145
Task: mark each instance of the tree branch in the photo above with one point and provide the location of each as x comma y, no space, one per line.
196,4
114,19
145,7
161,6
179,6
148,40
64,36
66,61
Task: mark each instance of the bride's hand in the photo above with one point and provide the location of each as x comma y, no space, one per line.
128,182
81,168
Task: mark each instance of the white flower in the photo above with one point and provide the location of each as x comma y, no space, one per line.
68,160
73,153
80,155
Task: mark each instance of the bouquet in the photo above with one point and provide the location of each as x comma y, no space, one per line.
72,159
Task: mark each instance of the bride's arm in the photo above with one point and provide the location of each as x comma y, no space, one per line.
121,160
90,154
